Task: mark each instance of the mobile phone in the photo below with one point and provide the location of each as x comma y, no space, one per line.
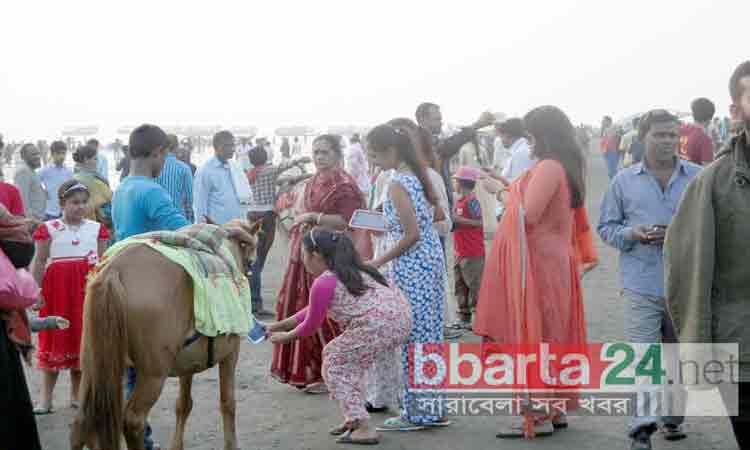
368,220
257,334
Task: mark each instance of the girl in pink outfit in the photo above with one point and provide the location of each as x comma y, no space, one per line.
374,316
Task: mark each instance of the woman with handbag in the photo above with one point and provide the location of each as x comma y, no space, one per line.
17,291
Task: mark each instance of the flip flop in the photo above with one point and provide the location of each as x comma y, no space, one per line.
438,424
316,388
338,430
41,411
399,424
348,439
516,431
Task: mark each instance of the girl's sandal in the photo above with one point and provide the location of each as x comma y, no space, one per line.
348,439
338,430
316,388
343,428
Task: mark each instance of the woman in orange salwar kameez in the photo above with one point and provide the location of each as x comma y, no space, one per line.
531,290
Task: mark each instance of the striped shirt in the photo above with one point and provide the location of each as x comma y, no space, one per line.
177,179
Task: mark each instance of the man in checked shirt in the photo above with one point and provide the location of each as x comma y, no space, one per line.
262,178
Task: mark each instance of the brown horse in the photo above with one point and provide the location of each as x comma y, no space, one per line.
139,313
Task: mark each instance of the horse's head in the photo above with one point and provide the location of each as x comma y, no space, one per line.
244,238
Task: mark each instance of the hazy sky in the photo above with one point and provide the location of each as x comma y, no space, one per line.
273,63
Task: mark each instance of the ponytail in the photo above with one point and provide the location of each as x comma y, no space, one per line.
337,249
384,137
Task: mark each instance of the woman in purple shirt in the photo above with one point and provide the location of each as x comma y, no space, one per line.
374,316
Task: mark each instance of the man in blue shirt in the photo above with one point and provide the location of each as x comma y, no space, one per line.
53,176
214,193
177,178
635,213
141,205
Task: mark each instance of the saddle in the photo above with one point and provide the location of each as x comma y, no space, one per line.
221,291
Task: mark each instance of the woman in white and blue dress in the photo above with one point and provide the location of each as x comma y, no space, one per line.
415,255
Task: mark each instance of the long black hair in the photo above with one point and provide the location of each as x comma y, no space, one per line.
338,251
555,138
383,137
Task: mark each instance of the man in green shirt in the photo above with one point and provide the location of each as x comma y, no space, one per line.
707,251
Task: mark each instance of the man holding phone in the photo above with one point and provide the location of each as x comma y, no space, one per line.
635,214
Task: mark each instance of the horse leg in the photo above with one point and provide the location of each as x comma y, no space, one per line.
226,381
182,411
145,394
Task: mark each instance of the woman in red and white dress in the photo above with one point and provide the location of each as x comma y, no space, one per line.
66,249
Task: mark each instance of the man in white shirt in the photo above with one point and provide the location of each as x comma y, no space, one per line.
243,150
355,163
513,137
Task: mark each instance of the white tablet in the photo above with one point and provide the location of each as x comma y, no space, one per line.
368,220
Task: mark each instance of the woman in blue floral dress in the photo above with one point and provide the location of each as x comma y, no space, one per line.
415,254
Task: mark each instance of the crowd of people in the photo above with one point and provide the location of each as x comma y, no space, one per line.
353,299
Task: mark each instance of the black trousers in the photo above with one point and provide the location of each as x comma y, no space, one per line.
17,423
741,422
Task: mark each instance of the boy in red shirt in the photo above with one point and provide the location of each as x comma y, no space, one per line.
468,245
696,144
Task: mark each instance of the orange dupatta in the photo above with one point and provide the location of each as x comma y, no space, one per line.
507,273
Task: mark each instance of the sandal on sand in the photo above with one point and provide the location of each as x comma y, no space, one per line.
673,432
316,388
399,424
344,428
348,439
444,422
339,430
516,430
42,411
560,422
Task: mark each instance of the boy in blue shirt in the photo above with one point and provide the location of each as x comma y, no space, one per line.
141,205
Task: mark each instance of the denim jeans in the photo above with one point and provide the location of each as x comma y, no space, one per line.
265,241
647,321
147,441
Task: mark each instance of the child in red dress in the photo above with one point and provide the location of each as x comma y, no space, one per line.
66,249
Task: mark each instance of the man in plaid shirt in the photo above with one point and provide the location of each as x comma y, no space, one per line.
262,178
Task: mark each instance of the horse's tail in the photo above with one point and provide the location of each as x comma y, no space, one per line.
103,353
